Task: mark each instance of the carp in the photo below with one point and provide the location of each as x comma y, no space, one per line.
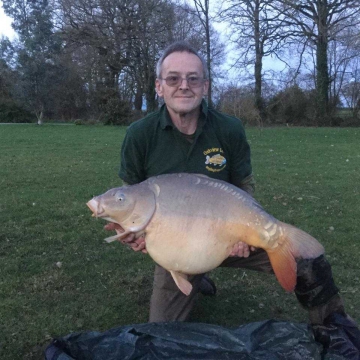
191,223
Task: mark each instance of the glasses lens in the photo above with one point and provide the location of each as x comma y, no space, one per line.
174,80
194,81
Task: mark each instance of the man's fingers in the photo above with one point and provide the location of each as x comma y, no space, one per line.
246,251
128,239
234,250
113,226
242,249
139,245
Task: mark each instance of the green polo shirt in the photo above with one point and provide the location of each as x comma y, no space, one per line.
154,146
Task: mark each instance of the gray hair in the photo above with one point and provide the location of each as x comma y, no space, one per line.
180,46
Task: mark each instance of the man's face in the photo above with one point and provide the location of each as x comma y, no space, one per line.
182,99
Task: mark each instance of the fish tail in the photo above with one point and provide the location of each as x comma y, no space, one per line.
293,244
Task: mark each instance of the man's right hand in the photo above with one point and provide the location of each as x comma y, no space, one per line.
129,240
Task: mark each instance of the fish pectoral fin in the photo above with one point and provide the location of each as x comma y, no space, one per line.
182,282
116,237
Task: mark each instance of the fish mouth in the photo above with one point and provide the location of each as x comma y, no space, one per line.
96,208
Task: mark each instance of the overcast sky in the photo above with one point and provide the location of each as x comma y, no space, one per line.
5,24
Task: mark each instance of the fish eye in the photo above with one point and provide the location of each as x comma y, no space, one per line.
120,196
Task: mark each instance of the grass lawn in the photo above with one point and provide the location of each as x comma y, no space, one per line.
57,276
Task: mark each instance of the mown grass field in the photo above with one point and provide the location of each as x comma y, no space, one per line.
57,276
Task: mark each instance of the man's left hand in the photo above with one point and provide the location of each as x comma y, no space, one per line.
241,249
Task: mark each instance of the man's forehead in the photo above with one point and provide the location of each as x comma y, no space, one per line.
175,63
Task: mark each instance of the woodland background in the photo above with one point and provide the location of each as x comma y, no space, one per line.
271,62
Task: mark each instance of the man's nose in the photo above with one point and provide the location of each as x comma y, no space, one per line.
184,85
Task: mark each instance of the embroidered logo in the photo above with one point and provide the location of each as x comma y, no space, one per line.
214,159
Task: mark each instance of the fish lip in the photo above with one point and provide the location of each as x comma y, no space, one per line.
96,208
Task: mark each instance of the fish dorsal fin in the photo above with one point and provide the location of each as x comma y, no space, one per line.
182,282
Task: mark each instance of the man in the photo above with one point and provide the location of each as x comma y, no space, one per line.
186,136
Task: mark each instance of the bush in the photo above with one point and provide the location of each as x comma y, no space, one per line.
292,106
114,111
10,112
80,122
86,122
240,102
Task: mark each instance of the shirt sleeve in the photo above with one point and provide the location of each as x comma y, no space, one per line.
132,159
240,166
248,185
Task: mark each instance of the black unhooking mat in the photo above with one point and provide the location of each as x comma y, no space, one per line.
265,340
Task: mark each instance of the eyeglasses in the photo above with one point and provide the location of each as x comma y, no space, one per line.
176,80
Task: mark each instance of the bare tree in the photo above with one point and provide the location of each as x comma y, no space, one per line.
127,37
203,36
343,63
350,91
319,22
256,30
202,11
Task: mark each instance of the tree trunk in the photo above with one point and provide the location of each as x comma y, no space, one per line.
138,101
202,10
151,102
208,51
39,116
322,71
322,81
258,63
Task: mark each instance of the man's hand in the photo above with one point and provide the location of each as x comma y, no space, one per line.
241,249
129,240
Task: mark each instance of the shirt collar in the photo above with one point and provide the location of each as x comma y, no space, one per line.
165,119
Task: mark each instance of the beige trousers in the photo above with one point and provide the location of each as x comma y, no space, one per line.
168,303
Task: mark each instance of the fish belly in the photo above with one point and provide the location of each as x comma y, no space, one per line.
189,246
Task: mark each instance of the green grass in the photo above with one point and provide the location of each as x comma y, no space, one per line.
57,276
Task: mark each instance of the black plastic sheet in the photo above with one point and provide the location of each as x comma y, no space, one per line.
266,340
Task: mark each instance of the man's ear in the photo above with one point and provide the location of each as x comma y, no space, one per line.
206,87
158,88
